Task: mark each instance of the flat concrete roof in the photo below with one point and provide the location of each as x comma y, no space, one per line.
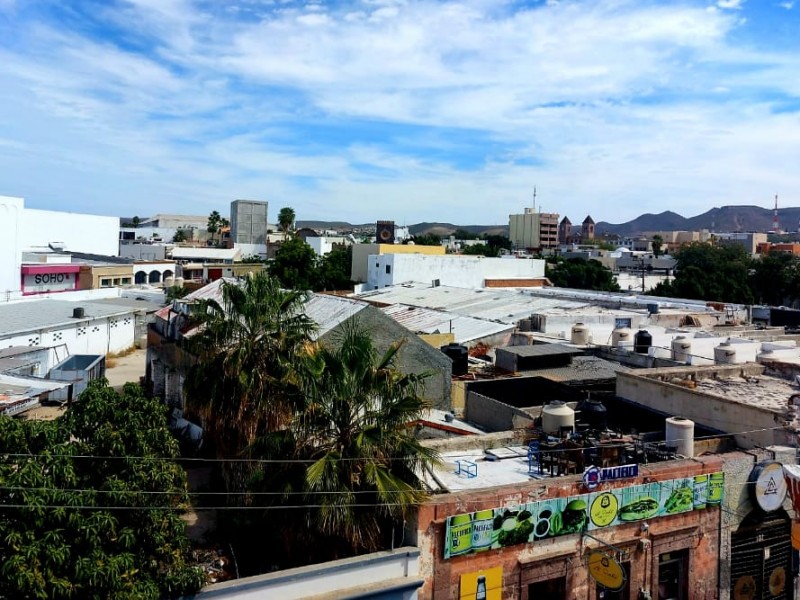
34,315
767,392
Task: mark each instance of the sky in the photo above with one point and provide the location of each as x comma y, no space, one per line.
398,109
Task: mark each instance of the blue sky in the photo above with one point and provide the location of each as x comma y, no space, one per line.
396,109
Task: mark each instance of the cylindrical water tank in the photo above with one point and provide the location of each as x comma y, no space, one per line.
680,435
580,334
460,357
622,336
592,414
652,309
556,416
642,341
725,354
682,349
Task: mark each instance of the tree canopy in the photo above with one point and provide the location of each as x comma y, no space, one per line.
90,505
295,265
581,274
286,218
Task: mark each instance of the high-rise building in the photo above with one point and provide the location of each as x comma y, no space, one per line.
533,230
249,226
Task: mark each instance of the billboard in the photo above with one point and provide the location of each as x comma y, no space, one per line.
496,528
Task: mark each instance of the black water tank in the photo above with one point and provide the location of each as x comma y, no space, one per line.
78,312
592,414
642,341
460,357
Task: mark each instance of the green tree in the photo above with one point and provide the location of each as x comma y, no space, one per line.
175,292
481,250
463,234
214,223
775,279
356,462
499,242
657,243
427,239
180,236
581,274
295,265
239,383
286,219
713,273
334,270
59,538
135,222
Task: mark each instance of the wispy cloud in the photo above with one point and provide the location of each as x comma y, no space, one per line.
613,107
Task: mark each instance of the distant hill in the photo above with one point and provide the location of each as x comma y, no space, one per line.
726,218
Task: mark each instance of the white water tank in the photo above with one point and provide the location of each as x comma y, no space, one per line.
580,334
557,415
725,354
680,435
682,349
622,337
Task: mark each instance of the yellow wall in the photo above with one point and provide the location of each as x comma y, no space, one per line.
437,340
91,277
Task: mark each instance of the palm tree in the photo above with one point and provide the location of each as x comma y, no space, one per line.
358,464
286,218
240,383
214,223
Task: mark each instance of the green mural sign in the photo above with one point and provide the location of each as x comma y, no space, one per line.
495,528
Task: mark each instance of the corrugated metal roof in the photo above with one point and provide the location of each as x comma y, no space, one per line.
425,320
33,315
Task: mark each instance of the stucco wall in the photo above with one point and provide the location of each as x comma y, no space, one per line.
98,336
361,252
78,232
713,411
10,252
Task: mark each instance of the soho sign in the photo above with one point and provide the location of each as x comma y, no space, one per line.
48,282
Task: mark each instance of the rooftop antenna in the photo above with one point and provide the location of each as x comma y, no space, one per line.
534,198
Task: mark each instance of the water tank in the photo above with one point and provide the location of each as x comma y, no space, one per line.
652,309
557,415
682,349
460,357
78,312
725,354
621,337
680,435
642,341
580,334
592,414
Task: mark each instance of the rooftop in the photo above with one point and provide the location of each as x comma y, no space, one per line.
34,315
425,320
767,392
211,253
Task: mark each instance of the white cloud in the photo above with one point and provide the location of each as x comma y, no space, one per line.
787,5
730,4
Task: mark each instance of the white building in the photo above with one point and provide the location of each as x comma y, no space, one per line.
384,270
25,229
92,329
324,244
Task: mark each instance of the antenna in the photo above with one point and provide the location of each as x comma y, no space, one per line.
534,198
775,224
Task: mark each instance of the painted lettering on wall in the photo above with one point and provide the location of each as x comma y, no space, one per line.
48,282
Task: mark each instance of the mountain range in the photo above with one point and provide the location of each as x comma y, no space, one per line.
722,219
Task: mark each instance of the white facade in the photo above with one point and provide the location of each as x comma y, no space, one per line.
385,270
10,246
324,244
78,232
101,331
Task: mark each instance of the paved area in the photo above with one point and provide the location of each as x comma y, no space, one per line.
127,368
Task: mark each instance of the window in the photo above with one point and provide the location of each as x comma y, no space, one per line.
105,283
126,281
116,280
388,269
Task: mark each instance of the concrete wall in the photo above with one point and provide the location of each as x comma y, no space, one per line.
10,250
78,232
249,222
656,392
388,575
494,415
93,276
361,253
144,251
457,271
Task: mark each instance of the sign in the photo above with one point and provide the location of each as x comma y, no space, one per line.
40,283
594,476
744,588
791,473
526,523
768,489
486,584
606,571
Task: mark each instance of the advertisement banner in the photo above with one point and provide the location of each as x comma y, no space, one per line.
486,584
509,526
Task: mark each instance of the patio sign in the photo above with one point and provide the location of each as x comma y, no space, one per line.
508,526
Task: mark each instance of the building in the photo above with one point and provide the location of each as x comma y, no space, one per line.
587,228
323,245
792,248
533,231
25,229
168,361
386,270
750,241
565,231
249,227
362,252
76,327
